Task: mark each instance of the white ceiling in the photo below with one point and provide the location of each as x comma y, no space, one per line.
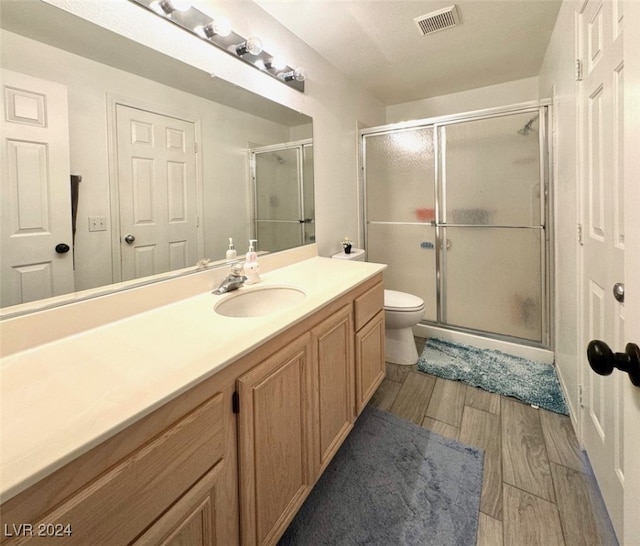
377,44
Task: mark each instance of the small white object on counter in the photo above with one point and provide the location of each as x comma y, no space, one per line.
252,267
231,251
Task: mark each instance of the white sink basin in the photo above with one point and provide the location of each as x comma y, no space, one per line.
258,301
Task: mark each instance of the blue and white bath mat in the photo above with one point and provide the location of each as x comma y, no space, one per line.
532,382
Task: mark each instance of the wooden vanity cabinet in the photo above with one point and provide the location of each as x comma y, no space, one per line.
191,520
297,406
275,441
334,384
193,472
369,341
164,480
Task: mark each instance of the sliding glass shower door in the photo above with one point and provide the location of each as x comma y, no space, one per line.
401,200
461,220
492,224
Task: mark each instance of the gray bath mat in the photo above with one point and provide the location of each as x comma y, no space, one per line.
393,483
527,380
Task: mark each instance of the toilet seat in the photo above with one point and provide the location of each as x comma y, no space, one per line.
401,301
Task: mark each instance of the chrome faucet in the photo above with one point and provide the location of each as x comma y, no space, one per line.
234,280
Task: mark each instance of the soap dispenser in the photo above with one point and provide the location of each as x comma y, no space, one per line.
252,267
231,251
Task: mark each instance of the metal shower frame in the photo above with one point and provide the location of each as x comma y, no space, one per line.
543,109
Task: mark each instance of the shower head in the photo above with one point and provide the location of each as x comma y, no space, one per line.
527,128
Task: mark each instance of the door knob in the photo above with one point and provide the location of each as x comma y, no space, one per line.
618,292
129,239
62,248
603,360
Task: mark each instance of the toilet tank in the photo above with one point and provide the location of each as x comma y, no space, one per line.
356,254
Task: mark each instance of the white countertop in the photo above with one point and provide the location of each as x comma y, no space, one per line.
61,399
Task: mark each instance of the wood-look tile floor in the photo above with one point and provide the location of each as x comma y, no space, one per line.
537,488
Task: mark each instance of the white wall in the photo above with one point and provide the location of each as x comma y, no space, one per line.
334,103
557,80
491,96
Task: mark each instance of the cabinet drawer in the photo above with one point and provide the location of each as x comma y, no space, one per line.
124,501
368,305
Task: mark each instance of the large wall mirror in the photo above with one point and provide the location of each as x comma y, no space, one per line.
120,164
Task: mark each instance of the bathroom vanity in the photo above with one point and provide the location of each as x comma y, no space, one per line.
219,445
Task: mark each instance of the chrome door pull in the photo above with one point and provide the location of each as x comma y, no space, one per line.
129,239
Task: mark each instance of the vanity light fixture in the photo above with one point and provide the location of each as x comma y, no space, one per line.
217,31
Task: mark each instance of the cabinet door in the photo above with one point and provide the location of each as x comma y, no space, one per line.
370,368
190,521
121,503
334,380
275,441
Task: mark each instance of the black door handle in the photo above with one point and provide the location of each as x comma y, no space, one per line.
603,360
62,248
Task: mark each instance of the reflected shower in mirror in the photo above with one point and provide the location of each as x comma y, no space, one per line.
162,150
283,194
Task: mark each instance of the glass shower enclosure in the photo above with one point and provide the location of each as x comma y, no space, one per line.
283,203
457,208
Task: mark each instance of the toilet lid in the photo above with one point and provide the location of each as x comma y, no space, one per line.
401,301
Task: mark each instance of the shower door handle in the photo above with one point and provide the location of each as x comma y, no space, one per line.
603,360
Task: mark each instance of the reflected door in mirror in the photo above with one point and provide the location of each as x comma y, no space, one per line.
157,192
36,190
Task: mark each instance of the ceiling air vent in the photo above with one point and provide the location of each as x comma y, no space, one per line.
437,20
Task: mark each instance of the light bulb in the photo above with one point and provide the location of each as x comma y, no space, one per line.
277,62
169,6
220,26
253,46
181,5
298,74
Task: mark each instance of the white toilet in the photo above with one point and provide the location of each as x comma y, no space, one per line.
402,312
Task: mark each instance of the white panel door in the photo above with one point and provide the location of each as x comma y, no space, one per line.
631,394
603,259
157,192
35,190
